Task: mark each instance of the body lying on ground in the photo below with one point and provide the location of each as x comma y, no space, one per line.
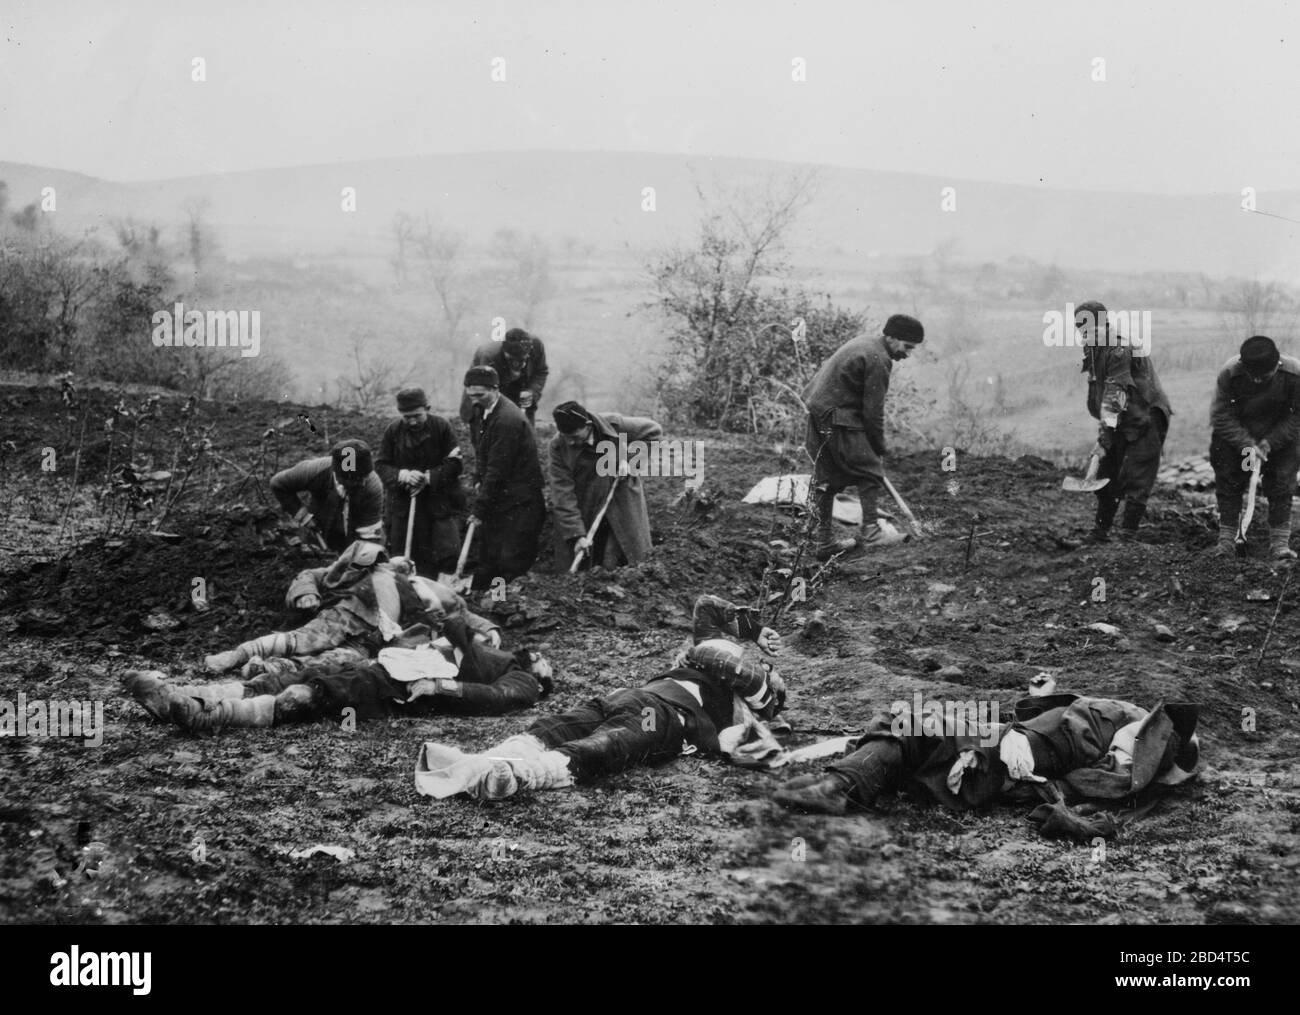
460,676
710,702
1062,749
364,600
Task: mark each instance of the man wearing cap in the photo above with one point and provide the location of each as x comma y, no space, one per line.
1061,748
457,675
1132,410
520,363
344,497
586,441
509,506
709,702
846,430
420,463
1256,415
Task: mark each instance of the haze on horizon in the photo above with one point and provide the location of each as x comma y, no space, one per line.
1196,99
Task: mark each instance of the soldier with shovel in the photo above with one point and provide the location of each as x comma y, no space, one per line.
1125,397
1255,423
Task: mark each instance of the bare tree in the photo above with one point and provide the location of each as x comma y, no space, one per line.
1256,308
441,255
526,275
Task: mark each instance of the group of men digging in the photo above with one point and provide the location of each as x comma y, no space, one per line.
387,639
411,495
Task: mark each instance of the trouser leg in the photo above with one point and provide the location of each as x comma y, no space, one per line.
874,768
634,728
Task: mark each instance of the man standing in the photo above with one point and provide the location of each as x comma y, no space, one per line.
579,485
344,497
1256,415
509,507
1125,396
520,363
846,430
420,463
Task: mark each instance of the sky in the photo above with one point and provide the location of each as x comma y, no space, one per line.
1198,96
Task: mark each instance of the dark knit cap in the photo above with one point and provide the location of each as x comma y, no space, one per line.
518,337
361,460
1259,354
482,376
1092,308
904,328
570,417
410,399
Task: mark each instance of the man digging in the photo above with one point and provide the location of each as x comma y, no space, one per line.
846,432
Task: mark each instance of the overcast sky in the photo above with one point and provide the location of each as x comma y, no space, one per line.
1199,96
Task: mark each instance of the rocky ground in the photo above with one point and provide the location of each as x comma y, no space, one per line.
154,826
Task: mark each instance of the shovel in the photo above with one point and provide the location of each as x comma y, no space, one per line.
591,533
1089,482
1246,515
456,582
902,506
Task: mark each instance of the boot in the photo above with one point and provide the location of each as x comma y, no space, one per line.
1133,515
278,644
875,537
827,543
151,690
829,794
1227,544
1279,542
197,717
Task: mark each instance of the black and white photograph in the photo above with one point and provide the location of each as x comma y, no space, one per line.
724,463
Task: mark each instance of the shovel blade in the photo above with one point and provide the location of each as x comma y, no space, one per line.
1082,485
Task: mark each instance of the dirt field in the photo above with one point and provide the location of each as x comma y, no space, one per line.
201,830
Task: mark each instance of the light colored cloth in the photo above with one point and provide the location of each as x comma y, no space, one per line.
411,664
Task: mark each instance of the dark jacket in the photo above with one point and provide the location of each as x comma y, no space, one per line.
506,468
1244,412
578,492
425,449
849,389
531,378
721,684
315,478
1123,386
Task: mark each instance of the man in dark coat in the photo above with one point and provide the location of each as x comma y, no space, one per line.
1061,748
702,704
580,453
1256,416
509,506
846,430
344,497
1132,410
421,679
520,363
420,463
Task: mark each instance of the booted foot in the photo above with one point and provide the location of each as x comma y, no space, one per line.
222,661
1097,536
876,537
1126,535
151,690
828,795
1283,553
826,550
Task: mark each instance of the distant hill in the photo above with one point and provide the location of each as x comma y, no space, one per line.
595,198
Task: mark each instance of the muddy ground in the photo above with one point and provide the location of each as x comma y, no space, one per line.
155,826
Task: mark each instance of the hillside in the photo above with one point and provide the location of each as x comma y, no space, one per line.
998,591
